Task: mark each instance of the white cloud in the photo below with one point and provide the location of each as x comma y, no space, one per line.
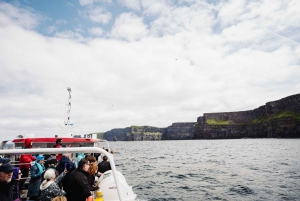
96,31
13,15
71,35
100,15
91,2
129,27
132,4
171,70
154,8
86,2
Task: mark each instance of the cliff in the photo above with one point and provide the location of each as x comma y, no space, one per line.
276,119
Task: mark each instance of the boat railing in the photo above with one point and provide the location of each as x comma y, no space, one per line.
70,150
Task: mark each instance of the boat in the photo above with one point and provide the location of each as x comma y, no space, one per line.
112,184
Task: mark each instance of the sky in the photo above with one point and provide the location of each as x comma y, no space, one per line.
141,62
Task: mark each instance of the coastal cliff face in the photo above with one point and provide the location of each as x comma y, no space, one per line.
276,119
180,131
136,133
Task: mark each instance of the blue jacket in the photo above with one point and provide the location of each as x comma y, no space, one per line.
35,181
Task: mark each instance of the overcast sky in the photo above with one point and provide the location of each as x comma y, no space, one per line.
142,62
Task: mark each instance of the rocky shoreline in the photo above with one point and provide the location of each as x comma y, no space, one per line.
276,119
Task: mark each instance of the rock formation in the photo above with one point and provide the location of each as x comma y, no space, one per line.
276,119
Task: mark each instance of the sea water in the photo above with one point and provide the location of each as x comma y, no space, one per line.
191,170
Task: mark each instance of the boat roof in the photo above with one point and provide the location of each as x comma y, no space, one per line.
53,140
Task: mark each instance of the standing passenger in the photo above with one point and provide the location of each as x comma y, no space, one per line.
36,172
78,183
65,164
92,171
104,165
25,160
58,145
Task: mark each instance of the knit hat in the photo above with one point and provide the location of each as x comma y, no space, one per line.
4,160
7,168
40,157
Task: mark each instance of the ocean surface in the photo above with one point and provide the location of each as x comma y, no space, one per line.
191,170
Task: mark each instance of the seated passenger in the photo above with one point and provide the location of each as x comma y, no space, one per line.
104,165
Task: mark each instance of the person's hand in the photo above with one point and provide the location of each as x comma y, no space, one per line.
90,198
65,171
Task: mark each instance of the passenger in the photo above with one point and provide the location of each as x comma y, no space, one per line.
58,145
36,172
100,158
79,157
50,157
78,183
52,165
16,180
49,188
6,184
92,171
104,165
4,161
112,153
65,163
25,160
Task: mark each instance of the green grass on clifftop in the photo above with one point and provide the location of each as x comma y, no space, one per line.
217,122
293,115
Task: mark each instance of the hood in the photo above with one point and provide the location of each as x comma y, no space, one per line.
45,184
28,142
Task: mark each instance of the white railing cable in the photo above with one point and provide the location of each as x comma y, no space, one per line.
69,150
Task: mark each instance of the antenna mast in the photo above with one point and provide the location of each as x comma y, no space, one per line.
68,121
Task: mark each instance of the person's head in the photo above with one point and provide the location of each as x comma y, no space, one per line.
112,151
28,143
53,162
40,159
59,141
105,158
49,174
91,158
93,168
84,164
6,173
4,161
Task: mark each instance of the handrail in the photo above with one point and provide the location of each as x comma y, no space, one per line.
68,150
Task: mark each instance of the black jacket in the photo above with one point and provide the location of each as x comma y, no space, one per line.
6,191
104,166
91,181
78,186
65,162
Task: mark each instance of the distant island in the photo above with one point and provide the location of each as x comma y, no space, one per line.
276,119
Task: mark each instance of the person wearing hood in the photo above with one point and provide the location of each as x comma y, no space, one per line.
36,171
49,188
79,157
6,184
25,160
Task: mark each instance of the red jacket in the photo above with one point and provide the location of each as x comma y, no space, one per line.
27,158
